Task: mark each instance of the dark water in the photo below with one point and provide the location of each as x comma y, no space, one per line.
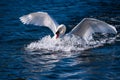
102,63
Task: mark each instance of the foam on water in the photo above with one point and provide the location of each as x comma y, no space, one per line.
67,43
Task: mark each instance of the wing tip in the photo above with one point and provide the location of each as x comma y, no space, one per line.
22,20
114,29
26,19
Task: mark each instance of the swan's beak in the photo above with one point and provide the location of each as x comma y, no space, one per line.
57,34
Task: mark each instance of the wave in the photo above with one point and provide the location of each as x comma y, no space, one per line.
67,43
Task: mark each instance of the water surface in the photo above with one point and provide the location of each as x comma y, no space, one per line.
102,63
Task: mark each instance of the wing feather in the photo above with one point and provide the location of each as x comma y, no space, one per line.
40,19
88,26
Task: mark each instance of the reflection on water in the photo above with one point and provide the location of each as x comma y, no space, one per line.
82,65
16,63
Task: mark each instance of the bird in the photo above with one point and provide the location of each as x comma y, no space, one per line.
84,29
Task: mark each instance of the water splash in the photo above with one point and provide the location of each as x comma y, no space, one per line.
67,43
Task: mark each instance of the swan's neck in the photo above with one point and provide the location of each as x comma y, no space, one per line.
60,31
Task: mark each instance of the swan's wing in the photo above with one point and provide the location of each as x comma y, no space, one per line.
88,26
40,19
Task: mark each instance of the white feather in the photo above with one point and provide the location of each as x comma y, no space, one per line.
40,19
84,29
88,26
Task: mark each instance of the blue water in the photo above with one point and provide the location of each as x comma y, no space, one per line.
102,63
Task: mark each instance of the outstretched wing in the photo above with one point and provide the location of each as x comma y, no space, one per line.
40,19
88,26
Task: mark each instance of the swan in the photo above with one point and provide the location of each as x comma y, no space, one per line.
84,29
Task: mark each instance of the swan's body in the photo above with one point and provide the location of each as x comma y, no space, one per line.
84,29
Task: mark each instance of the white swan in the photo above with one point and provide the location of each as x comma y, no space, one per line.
84,29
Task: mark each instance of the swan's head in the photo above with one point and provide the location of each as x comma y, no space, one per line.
60,31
